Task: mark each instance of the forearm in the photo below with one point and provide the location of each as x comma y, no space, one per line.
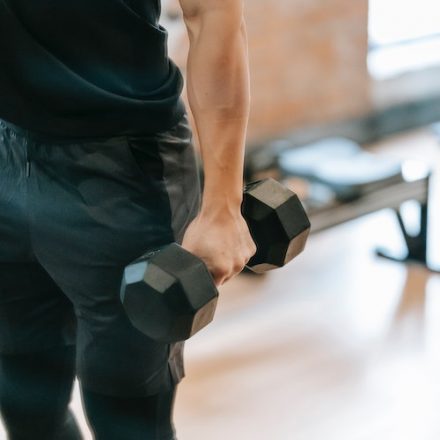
218,94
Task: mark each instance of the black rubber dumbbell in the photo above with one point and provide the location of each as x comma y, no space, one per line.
169,294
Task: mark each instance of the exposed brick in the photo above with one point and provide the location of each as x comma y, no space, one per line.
307,61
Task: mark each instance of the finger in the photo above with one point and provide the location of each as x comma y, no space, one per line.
219,279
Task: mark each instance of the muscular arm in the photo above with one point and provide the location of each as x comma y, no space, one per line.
218,94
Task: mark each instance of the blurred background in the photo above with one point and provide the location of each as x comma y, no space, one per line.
326,62
342,344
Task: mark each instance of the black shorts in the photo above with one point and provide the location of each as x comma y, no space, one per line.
73,214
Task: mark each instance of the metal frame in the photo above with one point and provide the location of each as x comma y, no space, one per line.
388,197
416,245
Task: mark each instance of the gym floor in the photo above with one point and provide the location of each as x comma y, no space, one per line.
340,345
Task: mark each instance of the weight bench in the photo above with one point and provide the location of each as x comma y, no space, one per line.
355,183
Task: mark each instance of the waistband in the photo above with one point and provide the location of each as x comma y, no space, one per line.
33,135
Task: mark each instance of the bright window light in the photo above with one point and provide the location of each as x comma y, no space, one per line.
404,35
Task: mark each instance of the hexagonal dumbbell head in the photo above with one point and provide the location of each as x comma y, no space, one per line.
278,224
169,294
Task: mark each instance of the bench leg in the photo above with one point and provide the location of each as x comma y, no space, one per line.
417,245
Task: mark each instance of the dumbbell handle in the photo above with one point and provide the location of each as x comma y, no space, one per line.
277,245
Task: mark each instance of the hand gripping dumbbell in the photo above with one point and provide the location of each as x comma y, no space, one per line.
169,294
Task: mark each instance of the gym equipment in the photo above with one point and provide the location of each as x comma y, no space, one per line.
341,165
169,294
345,181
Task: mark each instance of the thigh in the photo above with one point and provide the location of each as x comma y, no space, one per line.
14,236
102,203
34,312
35,391
148,417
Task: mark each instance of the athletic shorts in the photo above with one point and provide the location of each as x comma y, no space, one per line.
73,214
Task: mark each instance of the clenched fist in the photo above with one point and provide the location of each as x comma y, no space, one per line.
223,241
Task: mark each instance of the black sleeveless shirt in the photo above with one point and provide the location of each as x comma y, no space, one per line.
80,68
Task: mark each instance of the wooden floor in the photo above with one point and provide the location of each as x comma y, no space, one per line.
340,345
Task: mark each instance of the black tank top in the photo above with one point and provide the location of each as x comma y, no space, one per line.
80,68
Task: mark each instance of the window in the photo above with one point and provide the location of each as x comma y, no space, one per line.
404,35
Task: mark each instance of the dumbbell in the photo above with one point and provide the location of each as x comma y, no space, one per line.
169,294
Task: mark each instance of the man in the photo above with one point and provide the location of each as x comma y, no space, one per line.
96,168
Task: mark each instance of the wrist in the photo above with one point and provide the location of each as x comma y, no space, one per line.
221,206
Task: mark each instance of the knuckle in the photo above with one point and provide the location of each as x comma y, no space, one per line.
223,270
238,267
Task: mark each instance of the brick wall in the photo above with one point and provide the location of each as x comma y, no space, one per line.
307,60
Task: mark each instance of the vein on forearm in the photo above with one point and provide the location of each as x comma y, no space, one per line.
218,93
